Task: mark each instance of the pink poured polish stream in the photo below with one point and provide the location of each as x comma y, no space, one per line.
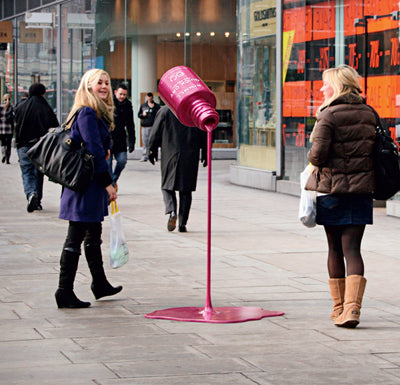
194,104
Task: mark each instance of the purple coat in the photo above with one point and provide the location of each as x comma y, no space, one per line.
92,205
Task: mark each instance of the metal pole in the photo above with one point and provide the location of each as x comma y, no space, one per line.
184,34
59,66
279,85
125,43
366,57
15,66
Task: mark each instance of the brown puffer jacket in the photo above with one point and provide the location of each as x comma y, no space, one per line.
343,142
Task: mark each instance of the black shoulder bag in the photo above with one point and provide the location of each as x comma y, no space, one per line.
62,159
386,163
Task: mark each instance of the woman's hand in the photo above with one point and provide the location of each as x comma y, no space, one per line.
112,192
108,154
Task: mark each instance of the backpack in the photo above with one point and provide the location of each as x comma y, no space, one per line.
386,163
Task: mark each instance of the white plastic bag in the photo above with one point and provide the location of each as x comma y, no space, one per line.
308,200
119,253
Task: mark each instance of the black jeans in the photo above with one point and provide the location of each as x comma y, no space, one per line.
78,232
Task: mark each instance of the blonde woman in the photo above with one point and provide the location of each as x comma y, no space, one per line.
85,211
342,146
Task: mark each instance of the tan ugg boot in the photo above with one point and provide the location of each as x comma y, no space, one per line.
355,286
337,286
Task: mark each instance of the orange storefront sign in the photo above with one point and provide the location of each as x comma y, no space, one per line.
302,98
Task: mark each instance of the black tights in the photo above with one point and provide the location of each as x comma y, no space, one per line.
344,244
78,232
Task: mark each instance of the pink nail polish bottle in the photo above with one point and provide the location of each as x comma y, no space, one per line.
189,98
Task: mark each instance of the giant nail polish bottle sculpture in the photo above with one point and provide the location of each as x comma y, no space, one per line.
193,103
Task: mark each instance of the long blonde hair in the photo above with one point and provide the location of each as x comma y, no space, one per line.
344,81
86,98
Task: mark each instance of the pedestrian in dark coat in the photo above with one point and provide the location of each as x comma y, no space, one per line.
6,128
33,118
86,210
180,155
147,113
123,132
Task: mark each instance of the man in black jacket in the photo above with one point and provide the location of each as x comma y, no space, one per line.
33,118
124,124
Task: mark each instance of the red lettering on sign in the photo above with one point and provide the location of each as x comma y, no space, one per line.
374,59
301,62
300,136
353,59
394,54
324,60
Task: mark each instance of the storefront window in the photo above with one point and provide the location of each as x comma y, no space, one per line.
161,34
36,54
376,26
7,68
257,84
335,33
311,50
136,41
78,50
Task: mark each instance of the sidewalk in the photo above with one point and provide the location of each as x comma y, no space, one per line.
261,256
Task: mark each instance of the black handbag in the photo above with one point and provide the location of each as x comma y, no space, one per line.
386,163
62,159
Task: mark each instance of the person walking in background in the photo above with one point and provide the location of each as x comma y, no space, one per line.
6,128
180,154
124,128
342,153
85,211
24,96
33,118
147,113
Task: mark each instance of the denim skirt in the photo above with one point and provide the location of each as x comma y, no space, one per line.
344,209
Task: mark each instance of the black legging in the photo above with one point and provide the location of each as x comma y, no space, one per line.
78,232
344,244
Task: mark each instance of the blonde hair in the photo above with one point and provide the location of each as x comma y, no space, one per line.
8,99
86,98
343,80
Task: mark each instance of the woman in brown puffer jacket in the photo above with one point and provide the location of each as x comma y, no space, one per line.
342,147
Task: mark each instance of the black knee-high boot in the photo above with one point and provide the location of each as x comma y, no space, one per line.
100,286
65,296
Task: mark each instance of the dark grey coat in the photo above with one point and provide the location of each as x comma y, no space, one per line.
180,151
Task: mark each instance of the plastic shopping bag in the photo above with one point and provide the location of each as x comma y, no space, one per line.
308,200
119,253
